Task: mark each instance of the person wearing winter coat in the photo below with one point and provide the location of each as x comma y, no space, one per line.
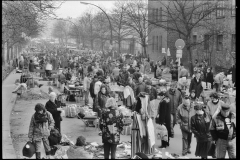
111,125
209,77
175,100
159,72
200,124
140,86
223,131
53,106
40,126
184,113
196,84
174,72
183,72
151,90
102,97
164,115
214,105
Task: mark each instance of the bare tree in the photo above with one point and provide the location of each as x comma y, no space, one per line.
183,17
119,23
136,14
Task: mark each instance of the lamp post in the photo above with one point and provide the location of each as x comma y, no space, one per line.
106,16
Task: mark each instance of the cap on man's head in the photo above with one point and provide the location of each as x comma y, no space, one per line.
225,107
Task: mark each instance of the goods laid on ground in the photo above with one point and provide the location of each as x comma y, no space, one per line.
33,94
167,77
71,111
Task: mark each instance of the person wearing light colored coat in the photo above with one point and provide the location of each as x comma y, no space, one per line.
39,130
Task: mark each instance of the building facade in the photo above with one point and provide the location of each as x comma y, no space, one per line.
218,49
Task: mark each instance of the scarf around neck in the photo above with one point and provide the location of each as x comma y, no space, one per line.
41,118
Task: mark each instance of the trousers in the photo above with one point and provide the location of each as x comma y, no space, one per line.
86,94
45,144
223,146
186,141
110,147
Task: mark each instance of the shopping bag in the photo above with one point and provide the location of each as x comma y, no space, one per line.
71,111
28,149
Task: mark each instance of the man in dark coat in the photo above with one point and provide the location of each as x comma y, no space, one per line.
196,84
174,72
141,87
131,70
91,90
164,115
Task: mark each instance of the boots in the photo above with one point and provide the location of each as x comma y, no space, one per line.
38,155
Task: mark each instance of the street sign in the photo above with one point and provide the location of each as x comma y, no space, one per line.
179,44
179,54
163,50
168,52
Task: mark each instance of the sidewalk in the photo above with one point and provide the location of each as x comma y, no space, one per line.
8,101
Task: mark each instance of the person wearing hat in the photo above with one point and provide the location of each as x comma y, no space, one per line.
164,115
111,125
53,106
39,130
214,105
200,124
196,84
184,113
223,131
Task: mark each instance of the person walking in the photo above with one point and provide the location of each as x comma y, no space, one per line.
200,124
164,115
175,100
223,131
48,69
184,113
53,106
111,125
196,84
214,105
40,126
218,81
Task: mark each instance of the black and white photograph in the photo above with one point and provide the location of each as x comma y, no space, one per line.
119,79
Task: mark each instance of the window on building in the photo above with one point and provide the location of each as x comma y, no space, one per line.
157,43
156,13
160,43
233,44
221,9
206,42
153,38
233,10
219,42
160,14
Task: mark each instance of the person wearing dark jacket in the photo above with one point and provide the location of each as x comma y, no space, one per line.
164,115
131,70
91,90
209,77
68,75
141,87
200,124
174,72
31,66
223,131
196,84
102,97
53,106
151,90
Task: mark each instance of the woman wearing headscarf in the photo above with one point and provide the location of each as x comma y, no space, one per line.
200,125
40,126
111,125
164,114
53,106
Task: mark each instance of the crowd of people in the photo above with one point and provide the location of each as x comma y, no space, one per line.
212,121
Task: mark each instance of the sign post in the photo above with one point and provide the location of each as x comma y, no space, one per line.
179,44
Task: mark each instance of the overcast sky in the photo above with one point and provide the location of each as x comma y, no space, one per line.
74,8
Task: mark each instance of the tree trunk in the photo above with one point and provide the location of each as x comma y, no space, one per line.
190,60
119,46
